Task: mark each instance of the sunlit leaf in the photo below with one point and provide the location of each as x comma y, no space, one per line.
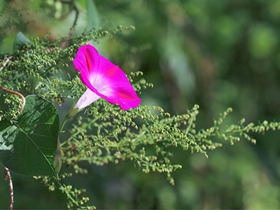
27,144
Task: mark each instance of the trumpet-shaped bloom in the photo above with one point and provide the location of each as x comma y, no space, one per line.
103,80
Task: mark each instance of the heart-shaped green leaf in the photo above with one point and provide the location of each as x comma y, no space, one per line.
28,143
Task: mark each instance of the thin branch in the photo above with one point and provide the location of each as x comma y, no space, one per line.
74,23
9,177
68,38
76,16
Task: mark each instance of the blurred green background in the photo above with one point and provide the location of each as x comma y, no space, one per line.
215,53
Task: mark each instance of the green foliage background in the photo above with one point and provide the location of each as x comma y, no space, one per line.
217,54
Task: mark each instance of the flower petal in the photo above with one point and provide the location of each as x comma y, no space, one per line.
104,78
85,61
86,99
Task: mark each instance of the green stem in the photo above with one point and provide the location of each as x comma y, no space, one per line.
57,163
63,124
69,196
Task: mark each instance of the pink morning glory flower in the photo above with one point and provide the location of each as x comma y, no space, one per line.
103,80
